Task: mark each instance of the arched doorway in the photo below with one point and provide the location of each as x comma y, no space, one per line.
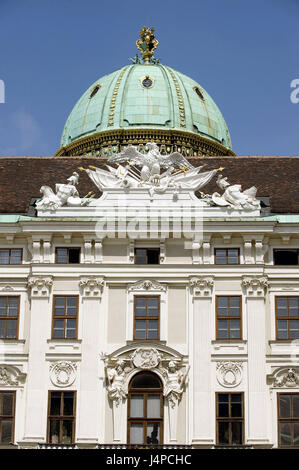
145,410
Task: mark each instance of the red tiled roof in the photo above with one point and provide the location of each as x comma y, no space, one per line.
274,176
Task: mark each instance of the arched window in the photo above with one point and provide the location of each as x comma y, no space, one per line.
145,410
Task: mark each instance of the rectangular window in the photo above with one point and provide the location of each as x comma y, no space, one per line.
9,317
61,417
147,256
11,256
227,256
286,257
65,315
7,417
230,418
288,419
228,317
287,317
68,255
146,317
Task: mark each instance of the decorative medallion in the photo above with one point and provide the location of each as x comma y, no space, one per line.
229,374
147,82
63,374
146,358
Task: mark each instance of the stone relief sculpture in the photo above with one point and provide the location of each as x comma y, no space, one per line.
63,373
289,379
66,195
179,172
156,174
116,376
175,381
234,197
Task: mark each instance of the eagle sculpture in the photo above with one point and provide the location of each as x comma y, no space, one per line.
151,162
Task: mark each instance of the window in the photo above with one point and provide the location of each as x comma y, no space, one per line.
68,255
7,417
11,256
227,256
198,92
228,317
288,419
65,313
94,90
61,417
147,256
9,317
145,410
287,317
230,418
146,317
286,257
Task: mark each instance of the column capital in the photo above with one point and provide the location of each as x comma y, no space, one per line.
91,286
202,286
255,286
40,286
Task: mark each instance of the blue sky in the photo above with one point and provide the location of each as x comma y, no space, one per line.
244,53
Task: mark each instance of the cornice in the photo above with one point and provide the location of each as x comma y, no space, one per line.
195,143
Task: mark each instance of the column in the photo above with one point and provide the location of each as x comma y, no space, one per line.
90,395
202,404
36,387
255,289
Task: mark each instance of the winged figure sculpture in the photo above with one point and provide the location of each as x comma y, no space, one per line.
152,162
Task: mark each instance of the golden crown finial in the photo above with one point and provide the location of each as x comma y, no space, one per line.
147,44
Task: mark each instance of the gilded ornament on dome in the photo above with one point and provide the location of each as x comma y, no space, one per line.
147,44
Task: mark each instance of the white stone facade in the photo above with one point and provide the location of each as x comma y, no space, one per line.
187,281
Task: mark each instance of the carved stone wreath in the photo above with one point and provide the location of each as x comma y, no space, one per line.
63,374
229,374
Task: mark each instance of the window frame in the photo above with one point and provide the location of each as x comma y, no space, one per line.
230,419
13,417
64,317
147,249
68,248
287,317
9,263
61,417
226,256
146,318
287,420
229,317
5,318
144,420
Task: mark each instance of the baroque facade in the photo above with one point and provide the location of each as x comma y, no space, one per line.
148,312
